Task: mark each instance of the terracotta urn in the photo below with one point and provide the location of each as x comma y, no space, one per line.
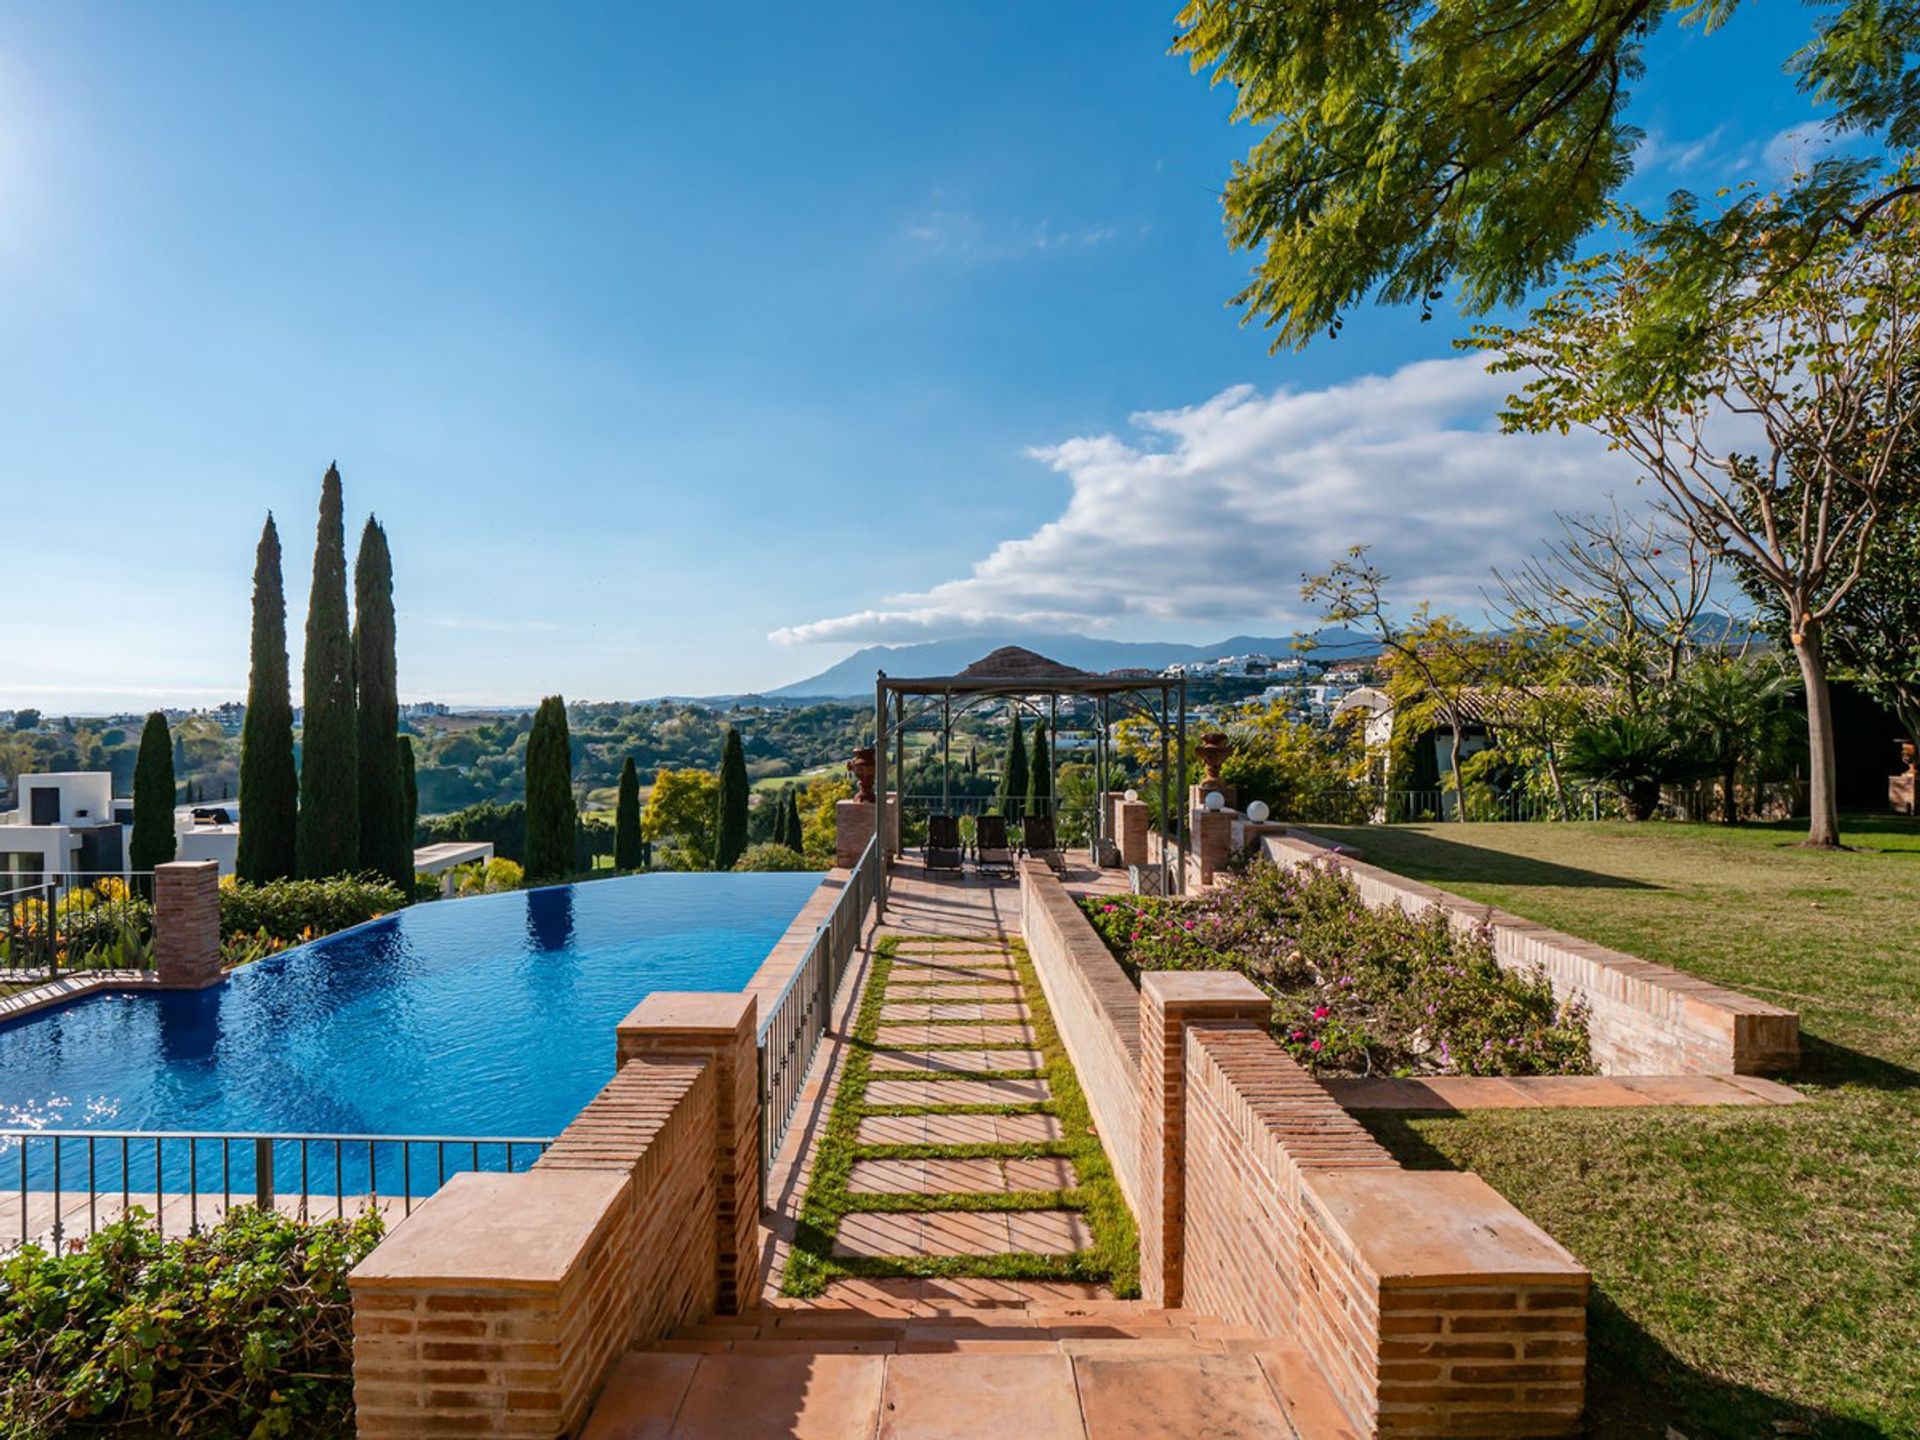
1214,750
861,768
1907,756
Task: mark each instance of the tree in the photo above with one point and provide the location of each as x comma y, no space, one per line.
386,839
796,832
152,842
409,793
777,831
1014,772
1777,433
1472,143
730,823
329,825
627,844
1040,775
269,784
682,808
550,808
1732,713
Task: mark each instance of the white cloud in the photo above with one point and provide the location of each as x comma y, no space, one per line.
955,232
1210,517
1796,148
1679,157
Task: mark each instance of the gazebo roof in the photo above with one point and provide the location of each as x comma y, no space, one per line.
1015,670
1014,662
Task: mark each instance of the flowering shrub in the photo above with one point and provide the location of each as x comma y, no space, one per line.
103,925
296,910
1355,990
244,1329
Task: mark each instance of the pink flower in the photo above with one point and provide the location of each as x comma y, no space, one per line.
1320,1012
1300,1035
1314,1046
1189,924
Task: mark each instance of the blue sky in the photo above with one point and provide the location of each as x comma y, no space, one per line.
682,349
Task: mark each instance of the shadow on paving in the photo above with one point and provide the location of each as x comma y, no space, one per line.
1439,859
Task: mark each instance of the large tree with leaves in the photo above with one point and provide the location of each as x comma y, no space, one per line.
409,791
329,772
269,784
551,814
1040,775
1471,144
730,822
1015,772
154,796
628,848
386,842
1777,429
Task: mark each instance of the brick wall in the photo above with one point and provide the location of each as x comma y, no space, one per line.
499,1305
1096,1009
186,923
1645,1019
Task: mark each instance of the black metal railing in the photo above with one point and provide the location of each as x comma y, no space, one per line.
52,921
68,1181
790,1030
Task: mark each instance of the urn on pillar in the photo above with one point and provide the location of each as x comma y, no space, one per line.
1213,751
861,768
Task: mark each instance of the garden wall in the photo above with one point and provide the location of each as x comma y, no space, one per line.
1644,1019
1096,1010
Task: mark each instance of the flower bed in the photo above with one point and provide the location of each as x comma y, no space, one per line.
1355,990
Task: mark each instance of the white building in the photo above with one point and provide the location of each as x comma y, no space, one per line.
64,823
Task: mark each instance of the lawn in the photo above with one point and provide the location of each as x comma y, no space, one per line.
1757,1272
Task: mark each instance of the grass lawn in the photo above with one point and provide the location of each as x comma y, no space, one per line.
1757,1272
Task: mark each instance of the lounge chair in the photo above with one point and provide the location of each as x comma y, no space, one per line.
991,853
943,850
1040,843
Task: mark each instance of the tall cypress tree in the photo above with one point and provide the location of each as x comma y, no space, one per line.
385,847
550,809
730,834
153,842
329,775
409,793
1013,774
778,833
1040,775
627,847
796,832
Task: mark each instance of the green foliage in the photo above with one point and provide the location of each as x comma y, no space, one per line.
1734,720
818,805
329,822
153,841
682,810
730,823
409,793
386,831
1633,754
795,834
269,785
1302,772
1014,773
241,1332
550,806
771,857
488,879
1407,148
295,910
628,846
503,826
1355,989
1040,775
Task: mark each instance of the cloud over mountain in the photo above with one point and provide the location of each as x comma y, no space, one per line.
1210,514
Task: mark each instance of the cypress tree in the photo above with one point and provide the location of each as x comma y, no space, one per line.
329,777
778,835
1040,776
1013,774
730,834
796,832
626,820
385,847
550,810
409,794
153,796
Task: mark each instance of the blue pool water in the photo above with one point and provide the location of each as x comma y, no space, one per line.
487,1016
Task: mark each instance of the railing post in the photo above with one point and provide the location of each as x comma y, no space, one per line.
263,1173
52,903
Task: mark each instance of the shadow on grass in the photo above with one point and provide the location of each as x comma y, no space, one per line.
1636,1386
1437,859
1829,1066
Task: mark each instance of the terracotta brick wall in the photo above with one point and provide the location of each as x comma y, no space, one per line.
186,923
1431,1306
497,1308
1096,1009
1646,1019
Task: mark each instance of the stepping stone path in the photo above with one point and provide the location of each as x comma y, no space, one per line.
955,1030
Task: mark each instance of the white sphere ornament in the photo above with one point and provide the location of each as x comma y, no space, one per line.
1258,812
1216,801
1132,796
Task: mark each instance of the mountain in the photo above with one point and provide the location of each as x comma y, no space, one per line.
853,676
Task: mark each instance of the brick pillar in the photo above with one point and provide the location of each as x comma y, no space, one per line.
1130,831
723,1026
1170,1001
186,923
852,829
1213,841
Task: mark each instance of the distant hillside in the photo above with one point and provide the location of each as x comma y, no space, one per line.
853,676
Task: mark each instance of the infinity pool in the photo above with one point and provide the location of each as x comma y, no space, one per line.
487,1016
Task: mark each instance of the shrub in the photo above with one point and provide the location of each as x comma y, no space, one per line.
488,879
772,857
1354,989
295,910
242,1330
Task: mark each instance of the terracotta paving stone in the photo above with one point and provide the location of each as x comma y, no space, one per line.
1575,1091
1687,1090
888,1177
866,1234
963,1177
642,1397
961,1130
1026,1129
957,1092
1050,1172
763,1396
956,1062
893,1130
1048,1232
941,1397
965,1232
999,1010
1199,1397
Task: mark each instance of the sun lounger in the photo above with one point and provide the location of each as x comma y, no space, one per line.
943,851
1040,843
991,853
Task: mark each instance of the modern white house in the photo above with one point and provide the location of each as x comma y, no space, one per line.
64,823
208,831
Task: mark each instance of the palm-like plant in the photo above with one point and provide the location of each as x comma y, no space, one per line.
1633,753
1734,715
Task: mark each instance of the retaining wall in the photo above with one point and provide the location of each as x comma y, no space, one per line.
1644,1019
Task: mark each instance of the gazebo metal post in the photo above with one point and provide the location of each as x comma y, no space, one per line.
946,752
1167,835
1053,754
880,783
1185,838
